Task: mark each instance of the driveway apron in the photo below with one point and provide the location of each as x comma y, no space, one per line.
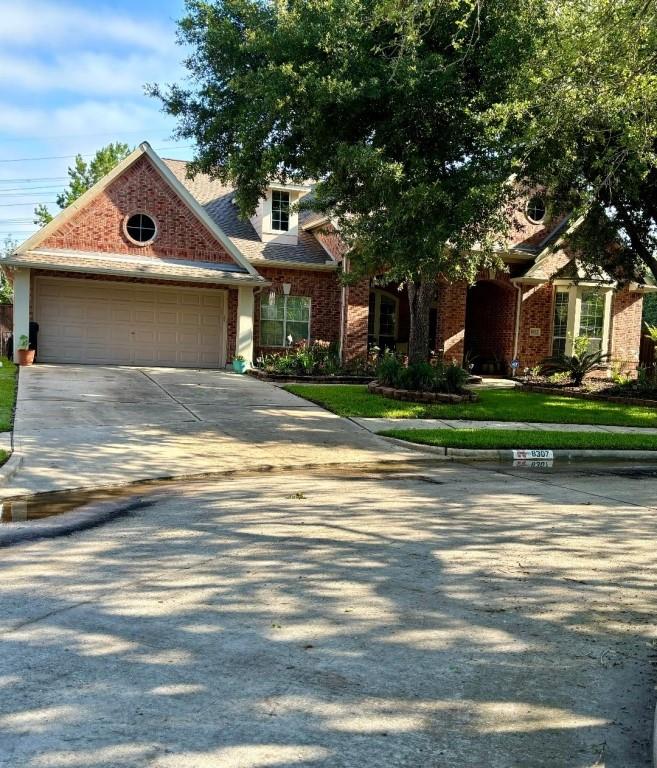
86,426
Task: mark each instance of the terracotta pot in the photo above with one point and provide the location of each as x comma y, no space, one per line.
25,356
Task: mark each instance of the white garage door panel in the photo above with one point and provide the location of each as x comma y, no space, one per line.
84,321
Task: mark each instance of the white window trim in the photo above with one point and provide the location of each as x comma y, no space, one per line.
285,344
140,243
377,313
575,311
289,214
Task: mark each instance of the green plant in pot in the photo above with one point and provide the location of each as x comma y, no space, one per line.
239,364
25,355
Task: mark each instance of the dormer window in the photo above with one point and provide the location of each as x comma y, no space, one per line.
280,210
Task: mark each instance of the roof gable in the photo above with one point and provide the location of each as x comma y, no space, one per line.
216,199
142,182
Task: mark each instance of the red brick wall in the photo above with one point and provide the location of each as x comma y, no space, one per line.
626,322
231,331
450,321
357,310
536,312
99,225
490,321
331,241
324,290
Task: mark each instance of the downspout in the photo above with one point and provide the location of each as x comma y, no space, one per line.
343,310
516,338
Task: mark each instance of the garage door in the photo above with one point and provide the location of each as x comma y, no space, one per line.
95,321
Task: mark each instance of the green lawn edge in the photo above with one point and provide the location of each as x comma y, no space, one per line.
533,438
8,381
353,400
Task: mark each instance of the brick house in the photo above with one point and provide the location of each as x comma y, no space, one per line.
152,268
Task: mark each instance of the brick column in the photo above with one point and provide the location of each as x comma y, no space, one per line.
450,320
626,328
356,314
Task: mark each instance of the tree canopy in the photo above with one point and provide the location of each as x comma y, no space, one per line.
382,102
584,116
83,175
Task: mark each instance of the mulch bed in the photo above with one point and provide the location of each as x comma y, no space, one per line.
415,396
592,389
303,379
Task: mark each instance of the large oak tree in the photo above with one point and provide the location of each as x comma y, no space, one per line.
382,102
584,115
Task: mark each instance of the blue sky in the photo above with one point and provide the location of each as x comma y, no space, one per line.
71,80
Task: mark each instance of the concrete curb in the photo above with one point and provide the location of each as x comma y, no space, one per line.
505,455
79,519
654,741
10,467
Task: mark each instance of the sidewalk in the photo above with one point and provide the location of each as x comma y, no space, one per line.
378,425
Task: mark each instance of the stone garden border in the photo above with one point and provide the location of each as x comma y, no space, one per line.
416,396
303,379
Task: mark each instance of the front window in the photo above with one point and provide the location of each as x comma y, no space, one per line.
591,318
284,321
280,210
580,312
382,320
560,332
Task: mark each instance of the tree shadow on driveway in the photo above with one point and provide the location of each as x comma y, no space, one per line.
360,620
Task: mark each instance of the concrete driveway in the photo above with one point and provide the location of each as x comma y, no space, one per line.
450,617
81,426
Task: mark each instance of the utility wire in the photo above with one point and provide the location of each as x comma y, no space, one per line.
67,157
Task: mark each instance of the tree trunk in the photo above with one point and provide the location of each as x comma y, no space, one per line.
420,297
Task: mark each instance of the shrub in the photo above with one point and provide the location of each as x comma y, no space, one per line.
455,377
314,358
423,377
577,365
388,369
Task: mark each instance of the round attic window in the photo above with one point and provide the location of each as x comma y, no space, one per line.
140,228
535,210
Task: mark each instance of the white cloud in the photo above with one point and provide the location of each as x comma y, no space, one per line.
85,118
103,74
51,24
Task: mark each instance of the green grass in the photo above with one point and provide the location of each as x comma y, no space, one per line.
516,438
493,405
7,395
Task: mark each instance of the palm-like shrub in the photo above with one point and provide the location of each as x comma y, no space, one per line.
577,365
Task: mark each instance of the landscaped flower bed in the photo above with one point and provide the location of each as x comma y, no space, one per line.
419,396
594,389
314,362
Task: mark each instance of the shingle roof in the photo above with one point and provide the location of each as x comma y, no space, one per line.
217,200
132,266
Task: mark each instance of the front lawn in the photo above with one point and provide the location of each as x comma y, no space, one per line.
7,394
493,405
531,438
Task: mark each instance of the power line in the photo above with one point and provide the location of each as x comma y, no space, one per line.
68,157
12,180
34,202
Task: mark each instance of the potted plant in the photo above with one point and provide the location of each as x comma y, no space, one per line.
239,364
25,354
